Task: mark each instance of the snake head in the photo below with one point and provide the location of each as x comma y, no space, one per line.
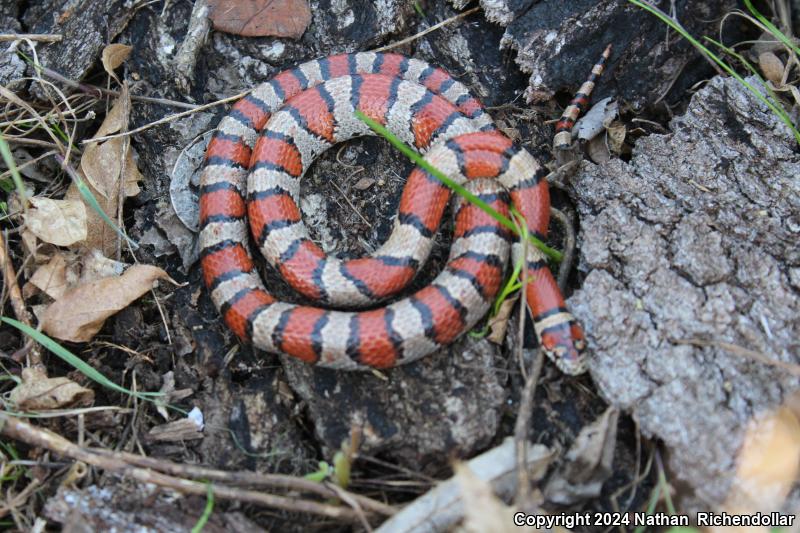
565,345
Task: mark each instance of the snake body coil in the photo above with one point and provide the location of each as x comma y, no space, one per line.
264,146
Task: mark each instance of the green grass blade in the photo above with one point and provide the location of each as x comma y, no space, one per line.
515,281
75,361
772,28
5,150
725,66
322,472
416,158
87,195
209,508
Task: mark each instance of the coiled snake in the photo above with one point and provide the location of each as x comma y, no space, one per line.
264,146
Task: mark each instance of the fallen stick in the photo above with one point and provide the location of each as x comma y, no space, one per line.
22,431
41,37
252,479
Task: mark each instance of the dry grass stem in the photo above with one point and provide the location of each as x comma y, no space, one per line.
168,118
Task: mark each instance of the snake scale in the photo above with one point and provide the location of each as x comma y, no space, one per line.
251,179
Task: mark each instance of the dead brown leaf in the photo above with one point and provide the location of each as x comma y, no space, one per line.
31,244
59,222
51,278
81,312
615,135
114,55
260,18
772,67
598,150
364,183
94,265
38,392
101,165
498,324
98,234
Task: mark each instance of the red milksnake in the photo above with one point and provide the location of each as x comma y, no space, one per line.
266,144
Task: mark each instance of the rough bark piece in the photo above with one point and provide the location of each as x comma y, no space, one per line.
470,50
446,404
558,42
697,238
12,67
87,26
350,25
501,12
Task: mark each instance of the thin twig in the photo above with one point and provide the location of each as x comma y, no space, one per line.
20,498
31,142
168,118
11,97
17,303
522,425
353,207
28,163
347,498
521,429
429,30
41,37
22,431
523,308
247,478
94,90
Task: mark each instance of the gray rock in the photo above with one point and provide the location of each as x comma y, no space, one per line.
692,244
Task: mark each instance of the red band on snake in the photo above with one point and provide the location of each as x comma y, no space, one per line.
251,177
